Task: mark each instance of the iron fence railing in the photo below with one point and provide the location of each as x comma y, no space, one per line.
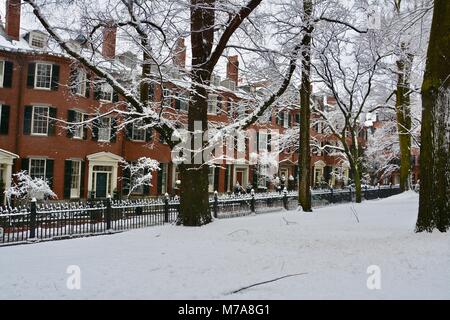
63,220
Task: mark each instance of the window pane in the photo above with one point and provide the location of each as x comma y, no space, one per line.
37,168
78,130
40,120
75,182
138,133
2,64
81,83
43,75
104,130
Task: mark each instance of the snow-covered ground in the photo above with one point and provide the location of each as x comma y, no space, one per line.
171,262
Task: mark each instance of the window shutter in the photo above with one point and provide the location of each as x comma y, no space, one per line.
219,104
257,142
82,173
28,114
67,178
31,74
52,121
177,104
70,119
126,175
269,142
4,125
113,137
85,126
95,124
25,165
8,74
49,172
289,120
97,91
297,118
128,131
146,187
148,134
88,86
115,97
55,77
216,178
255,177
73,80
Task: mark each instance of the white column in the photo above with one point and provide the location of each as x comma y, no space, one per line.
114,179
89,188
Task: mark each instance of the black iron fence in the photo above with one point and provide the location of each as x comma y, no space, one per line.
64,220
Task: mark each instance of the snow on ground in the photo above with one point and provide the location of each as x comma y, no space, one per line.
171,262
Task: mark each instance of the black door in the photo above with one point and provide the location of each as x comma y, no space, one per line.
101,185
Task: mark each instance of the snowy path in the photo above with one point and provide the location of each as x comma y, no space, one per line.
172,262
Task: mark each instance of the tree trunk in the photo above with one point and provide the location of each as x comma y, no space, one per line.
434,203
194,197
403,110
304,192
357,179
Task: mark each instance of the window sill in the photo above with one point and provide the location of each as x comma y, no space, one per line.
39,134
42,89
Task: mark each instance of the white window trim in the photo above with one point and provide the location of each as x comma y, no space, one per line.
80,126
2,72
45,165
42,37
32,122
81,83
102,92
109,130
36,76
262,146
79,179
132,133
212,99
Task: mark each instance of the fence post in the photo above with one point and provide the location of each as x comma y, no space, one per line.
33,215
108,212
350,190
379,190
331,195
216,204
166,207
252,201
285,199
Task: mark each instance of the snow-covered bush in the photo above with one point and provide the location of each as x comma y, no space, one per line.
140,172
26,188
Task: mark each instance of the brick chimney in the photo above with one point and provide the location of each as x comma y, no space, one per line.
179,56
109,42
233,68
13,19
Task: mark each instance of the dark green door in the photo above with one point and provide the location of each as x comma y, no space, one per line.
101,185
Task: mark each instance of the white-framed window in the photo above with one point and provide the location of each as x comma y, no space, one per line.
43,76
184,102
166,97
262,141
286,119
37,168
81,83
39,120
38,40
212,104
78,129
138,132
75,181
2,72
106,92
104,130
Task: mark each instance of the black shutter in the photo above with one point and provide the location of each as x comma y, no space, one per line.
31,74
219,104
289,120
67,178
148,134
128,131
49,172
55,77
85,126
70,119
160,176
8,74
4,124
297,118
146,187
88,86
52,121
227,169
216,178
97,91
257,141
113,137
115,97
25,165
269,142
82,173
28,114
95,124
255,177
126,176
177,103
73,78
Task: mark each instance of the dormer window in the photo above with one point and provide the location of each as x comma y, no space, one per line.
38,40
